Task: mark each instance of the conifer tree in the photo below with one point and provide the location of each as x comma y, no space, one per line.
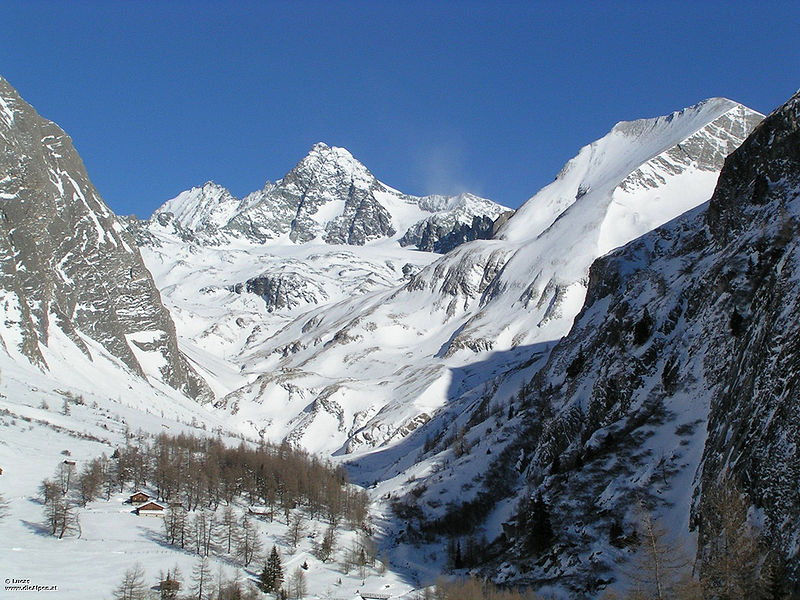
660,569
732,555
249,545
229,529
534,521
202,580
325,550
297,584
272,576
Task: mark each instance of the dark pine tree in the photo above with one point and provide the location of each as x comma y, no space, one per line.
643,329
272,574
539,531
736,323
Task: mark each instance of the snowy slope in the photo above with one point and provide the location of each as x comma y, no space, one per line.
676,377
366,371
36,436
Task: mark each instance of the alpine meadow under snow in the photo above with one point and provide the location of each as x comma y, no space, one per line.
518,396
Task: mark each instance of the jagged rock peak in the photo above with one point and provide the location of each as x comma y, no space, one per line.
331,197
209,206
324,159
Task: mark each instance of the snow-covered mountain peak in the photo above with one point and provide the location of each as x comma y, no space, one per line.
209,206
325,161
359,361
642,154
331,197
686,341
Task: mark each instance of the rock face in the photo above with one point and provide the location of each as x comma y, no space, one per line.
328,196
284,289
465,219
67,263
328,178
679,373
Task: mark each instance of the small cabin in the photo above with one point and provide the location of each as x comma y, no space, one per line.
259,511
139,498
150,509
69,463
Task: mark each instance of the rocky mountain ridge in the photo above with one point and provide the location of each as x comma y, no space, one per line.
68,267
330,196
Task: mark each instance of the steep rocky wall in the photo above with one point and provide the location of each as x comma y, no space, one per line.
66,262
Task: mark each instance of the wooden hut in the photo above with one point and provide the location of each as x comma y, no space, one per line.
150,509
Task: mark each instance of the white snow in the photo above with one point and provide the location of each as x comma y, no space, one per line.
7,112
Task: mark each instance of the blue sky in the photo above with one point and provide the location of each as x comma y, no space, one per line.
433,97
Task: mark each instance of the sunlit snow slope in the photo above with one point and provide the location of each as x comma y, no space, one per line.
234,272
361,371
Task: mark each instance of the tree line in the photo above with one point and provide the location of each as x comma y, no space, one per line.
194,473
202,585
200,472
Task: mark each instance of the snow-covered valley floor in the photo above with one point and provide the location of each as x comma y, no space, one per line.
36,437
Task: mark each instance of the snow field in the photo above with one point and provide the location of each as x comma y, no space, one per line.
34,434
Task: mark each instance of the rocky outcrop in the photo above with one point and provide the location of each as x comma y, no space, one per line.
466,218
283,290
65,260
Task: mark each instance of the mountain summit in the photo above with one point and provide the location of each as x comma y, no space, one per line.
331,197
